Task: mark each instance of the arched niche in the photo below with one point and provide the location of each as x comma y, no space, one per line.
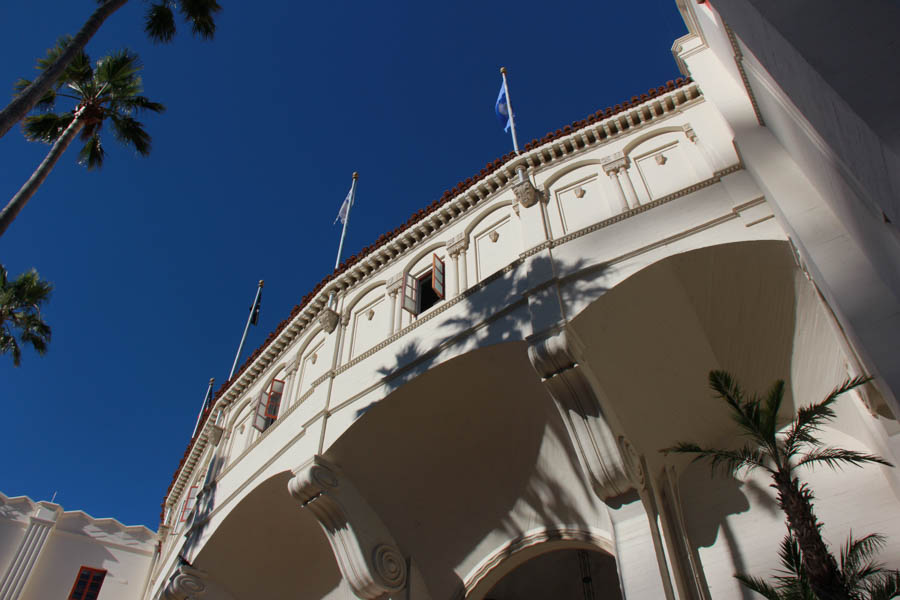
369,314
664,161
579,195
495,240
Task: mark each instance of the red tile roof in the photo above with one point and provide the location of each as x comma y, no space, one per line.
448,195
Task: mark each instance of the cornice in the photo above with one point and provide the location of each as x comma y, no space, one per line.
563,144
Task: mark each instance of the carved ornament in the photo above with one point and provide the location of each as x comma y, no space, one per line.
328,319
188,583
614,163
367,555
554,360
458,243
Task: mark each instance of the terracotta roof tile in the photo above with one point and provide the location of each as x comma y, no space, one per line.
415,218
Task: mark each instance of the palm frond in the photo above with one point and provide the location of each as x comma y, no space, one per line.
92,153
200,14
774,398
731,462
129,131
837,457
758,585
47,127
885,588
810,418
159,23
118,70
138,103
745,412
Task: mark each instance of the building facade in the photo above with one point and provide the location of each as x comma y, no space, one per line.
474,406
47,552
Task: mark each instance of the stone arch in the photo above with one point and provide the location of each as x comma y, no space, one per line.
411,262
640,139
274,538
557,175
476,221
505,559
361,294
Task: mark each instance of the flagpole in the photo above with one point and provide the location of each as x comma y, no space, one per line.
337,261
206,399
512,119
246,327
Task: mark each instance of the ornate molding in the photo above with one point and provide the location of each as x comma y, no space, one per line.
554,359
188,583
394,283
328,319
367,555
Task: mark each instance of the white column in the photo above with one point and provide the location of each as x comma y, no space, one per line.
394,285
453,281
629,187
392,317
464,278
620,193
29,550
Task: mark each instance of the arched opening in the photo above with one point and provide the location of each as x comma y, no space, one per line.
565,574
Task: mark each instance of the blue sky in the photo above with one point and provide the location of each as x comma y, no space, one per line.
155,260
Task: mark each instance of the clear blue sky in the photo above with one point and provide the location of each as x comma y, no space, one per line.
155,260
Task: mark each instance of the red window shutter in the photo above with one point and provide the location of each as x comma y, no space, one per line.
437,275
188,504
411,295
259,418
87,584
276,390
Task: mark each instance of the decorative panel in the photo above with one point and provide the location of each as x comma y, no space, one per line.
582,203
369,323
496,246
664,169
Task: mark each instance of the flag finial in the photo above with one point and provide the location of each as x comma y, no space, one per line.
212,380
355,175
261,283
503,70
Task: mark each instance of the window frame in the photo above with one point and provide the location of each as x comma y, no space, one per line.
188,505
412,286
94,573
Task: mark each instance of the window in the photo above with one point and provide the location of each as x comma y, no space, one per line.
268,404
421,294
188,505
87,584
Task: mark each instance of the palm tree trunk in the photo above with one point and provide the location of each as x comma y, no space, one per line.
24,102
820,565
18,202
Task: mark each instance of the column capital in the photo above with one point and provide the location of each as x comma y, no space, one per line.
394,283
188,583
614,163
366,553
456,244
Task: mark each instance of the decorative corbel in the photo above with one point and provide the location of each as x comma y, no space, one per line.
458,243
328,319
526,194
366,553
552,357
188,583
614,163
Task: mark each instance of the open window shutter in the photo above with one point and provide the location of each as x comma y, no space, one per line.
189,503
411,295
274,400
437,275
259,418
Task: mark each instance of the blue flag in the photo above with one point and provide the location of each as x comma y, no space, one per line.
501,108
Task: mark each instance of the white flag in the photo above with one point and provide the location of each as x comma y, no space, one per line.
345,208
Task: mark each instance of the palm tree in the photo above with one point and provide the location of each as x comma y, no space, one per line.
159,24
20,313
779,455
111,91
865,579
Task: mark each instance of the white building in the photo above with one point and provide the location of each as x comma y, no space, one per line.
480,411
46,552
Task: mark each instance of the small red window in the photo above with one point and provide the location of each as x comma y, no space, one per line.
87,584
188,504
273,402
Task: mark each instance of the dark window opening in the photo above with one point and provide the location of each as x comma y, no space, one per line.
428,297
87,584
